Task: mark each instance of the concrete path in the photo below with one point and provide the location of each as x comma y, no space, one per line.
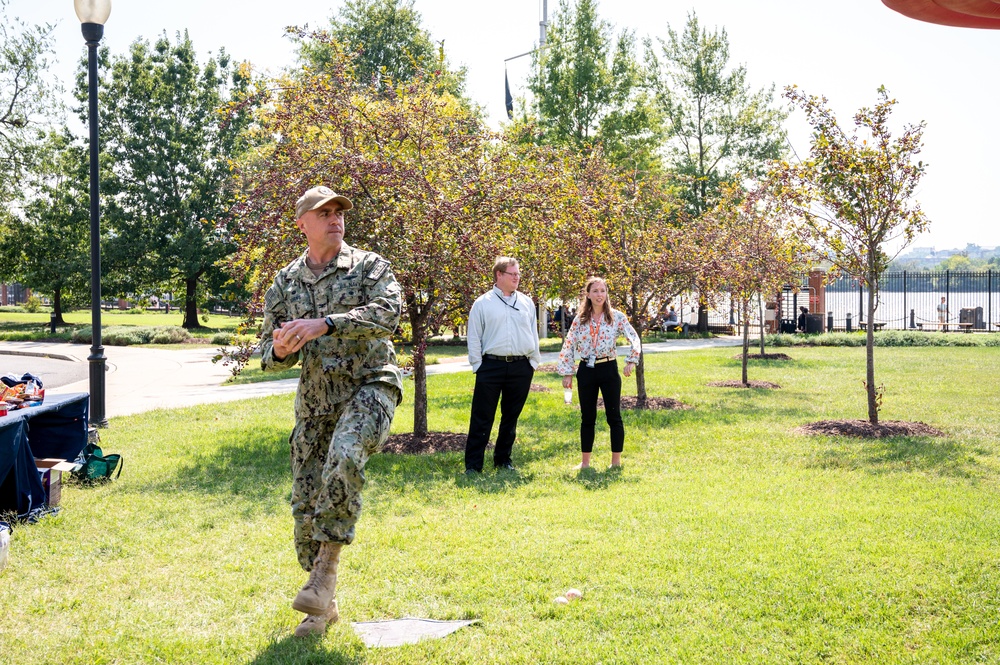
143,379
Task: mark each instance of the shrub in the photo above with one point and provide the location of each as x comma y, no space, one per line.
119,336
170,335
886,338
232,339
11,308
128,335
135,310
33,304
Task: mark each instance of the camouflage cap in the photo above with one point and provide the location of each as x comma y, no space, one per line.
317,196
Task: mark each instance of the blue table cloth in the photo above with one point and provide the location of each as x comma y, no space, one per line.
57,428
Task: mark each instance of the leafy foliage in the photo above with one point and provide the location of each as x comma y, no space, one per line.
434,192
27,98
167,171
590,90
854,195
49,246
717,127
761,250
391,46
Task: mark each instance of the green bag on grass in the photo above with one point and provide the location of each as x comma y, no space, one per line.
95,465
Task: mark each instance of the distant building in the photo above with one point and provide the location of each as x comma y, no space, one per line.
14,294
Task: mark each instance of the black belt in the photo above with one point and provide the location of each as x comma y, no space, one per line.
506,359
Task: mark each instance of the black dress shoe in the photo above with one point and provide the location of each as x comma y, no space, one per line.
506,465
472,472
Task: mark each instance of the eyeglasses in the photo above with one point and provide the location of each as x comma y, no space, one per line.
512,274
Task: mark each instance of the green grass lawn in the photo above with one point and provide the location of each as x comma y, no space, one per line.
727,538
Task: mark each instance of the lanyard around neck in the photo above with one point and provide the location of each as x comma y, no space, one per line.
594,332
513,297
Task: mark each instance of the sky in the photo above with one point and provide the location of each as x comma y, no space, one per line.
843,50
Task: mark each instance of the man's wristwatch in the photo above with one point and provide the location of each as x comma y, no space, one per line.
329,324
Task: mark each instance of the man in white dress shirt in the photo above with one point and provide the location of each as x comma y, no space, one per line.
503,352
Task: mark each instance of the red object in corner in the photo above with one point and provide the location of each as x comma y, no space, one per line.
957,13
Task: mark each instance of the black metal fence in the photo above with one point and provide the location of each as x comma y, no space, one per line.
906,300
920,299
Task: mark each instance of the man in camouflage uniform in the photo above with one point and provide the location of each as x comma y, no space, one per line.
334,308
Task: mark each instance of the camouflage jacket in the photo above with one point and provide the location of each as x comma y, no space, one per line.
363,298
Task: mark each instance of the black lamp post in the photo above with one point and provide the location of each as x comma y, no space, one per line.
93,14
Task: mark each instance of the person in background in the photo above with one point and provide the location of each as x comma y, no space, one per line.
671,320
592,339
803,312
335,309
942,310
503,352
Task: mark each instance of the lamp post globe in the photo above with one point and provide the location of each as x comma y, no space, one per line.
92,11
93,14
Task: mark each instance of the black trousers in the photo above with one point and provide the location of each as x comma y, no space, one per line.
601,377
508,384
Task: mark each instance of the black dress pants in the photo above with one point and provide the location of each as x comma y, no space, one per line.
508,384
605,378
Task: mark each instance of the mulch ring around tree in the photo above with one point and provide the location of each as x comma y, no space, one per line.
548,367
434,442
652,404
865,430
539,388
739,384
763,356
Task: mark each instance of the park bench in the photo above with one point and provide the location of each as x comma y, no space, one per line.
943,327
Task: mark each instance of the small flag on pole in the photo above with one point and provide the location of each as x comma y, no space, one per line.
508,99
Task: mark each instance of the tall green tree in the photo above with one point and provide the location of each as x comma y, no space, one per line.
589,89
27,98
49,244
169,188
717,126
392,46
855,193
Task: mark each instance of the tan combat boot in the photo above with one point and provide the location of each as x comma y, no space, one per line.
316,624
318,593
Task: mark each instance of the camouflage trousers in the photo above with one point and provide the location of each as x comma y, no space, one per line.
329,454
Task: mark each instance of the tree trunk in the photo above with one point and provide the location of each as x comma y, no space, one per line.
760,306
640,382
640,369
870,353
702,315
746,347
640,376
418,326
57,306
191,302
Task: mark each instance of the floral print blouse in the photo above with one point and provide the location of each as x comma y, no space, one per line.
597,338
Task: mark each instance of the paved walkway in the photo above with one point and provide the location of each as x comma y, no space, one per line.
143,379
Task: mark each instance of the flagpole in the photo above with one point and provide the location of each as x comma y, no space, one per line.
544,23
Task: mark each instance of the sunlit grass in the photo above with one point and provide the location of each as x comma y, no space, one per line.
727,538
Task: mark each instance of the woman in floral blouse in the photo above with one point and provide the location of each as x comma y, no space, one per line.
592,339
